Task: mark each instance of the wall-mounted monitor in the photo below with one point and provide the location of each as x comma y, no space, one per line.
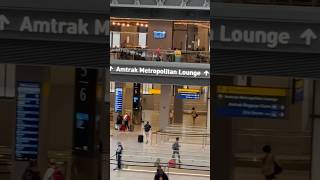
159,34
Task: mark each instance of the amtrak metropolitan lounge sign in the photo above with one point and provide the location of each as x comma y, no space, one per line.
165,69
54,25
267,35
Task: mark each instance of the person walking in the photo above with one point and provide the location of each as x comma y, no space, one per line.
270,166
126,119
53,172
171,116
176,150
119,156
119,122
194,115
147,128
32,172
160,174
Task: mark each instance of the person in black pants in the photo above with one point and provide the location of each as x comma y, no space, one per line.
118,156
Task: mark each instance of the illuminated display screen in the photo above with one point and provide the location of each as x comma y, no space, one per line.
27,121
118,101
159,34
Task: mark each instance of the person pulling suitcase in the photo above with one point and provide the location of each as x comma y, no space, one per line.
147,129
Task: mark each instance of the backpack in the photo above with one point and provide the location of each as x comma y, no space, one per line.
147,128
175,146
57,175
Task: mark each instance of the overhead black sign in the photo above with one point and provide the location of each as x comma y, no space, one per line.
160,69
87,27
266,35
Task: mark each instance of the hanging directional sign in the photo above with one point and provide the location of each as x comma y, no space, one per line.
251,102
266,35
162,69
53,25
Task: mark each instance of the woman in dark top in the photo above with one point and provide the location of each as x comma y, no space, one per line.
160,174
31,172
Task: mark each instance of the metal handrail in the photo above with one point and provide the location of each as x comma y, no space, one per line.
181,153
292,3
164,157
179,134
162,164
160,55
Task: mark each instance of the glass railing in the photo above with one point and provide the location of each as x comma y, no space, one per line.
275,2
162,55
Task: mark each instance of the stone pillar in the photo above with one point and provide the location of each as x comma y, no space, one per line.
165,100
208,110
307,104
178,107
315,173
222,137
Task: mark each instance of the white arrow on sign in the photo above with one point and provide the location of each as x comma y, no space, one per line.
206,73
308,35
3,21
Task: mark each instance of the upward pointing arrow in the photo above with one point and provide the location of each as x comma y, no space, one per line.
206,73
308,35
3,21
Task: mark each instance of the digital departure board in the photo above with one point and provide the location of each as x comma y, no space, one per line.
118,101
27,121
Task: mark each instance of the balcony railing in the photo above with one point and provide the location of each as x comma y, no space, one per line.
162,55
275,2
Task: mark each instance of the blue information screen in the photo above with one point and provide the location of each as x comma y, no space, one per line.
27,121
246,102
188,95
118,101
159,34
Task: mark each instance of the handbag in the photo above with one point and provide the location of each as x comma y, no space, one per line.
277,168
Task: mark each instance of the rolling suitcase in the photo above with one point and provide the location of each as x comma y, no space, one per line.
172,163
123,128
140,138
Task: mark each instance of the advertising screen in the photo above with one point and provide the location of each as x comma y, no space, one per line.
27,121
159,34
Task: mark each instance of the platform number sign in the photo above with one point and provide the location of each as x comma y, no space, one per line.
85,109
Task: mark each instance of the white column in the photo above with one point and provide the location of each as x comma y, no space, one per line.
315,169
165,100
